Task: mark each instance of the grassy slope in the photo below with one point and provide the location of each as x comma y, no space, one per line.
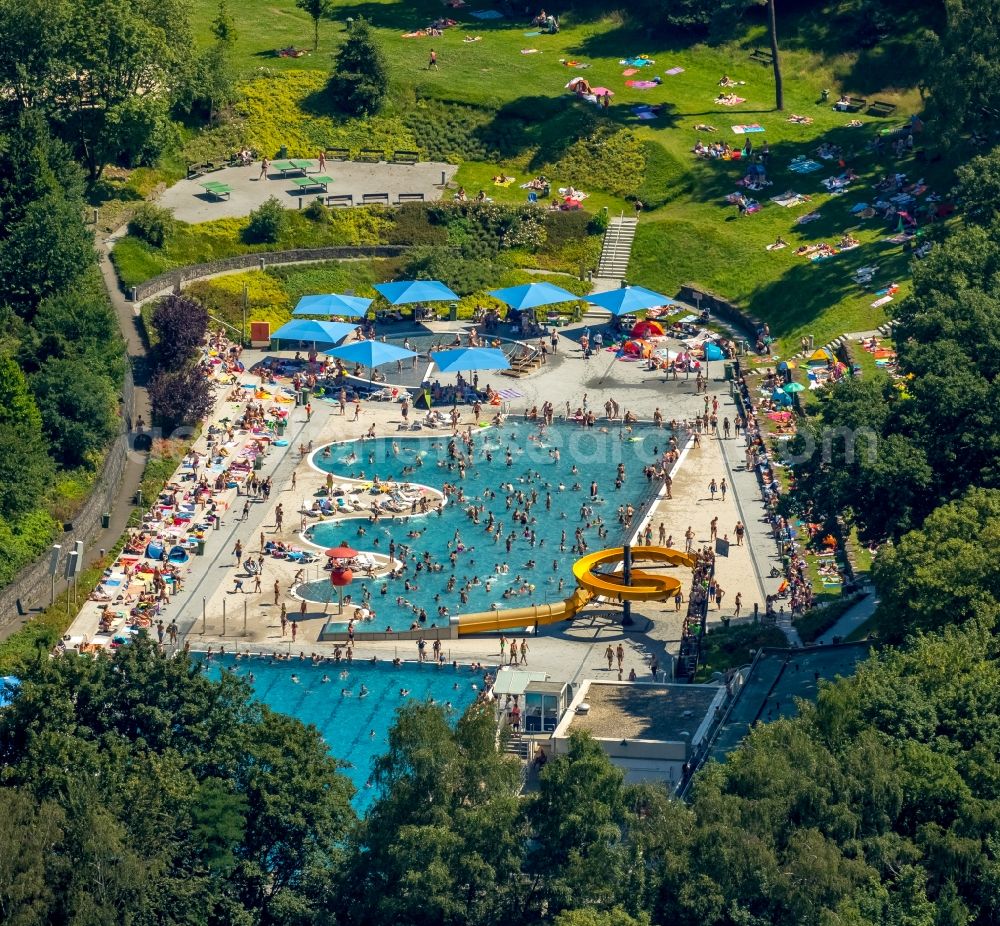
693,237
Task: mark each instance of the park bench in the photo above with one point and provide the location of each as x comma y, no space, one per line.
854,104
370,155
199,170
340,199
764,57
307,183
881,108
409,198
405,157
369,198
217,190
337,154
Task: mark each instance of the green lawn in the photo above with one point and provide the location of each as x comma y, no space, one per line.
493,109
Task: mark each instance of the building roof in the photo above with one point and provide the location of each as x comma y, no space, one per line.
514,681
671,713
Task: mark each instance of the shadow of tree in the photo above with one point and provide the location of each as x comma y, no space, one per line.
407,15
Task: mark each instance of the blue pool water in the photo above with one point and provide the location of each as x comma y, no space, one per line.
493,483
346,722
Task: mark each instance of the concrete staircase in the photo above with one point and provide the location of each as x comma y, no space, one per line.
617,249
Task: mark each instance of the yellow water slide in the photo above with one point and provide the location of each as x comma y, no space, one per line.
643,587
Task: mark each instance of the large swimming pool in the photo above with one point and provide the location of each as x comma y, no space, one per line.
354,725
526,558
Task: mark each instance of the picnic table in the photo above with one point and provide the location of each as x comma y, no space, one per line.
216,189
291,167
305,183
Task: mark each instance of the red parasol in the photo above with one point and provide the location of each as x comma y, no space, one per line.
341,552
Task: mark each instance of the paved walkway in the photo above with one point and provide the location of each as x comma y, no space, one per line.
191,203
851,620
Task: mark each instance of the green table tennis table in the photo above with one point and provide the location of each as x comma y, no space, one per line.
218,190
291,167
307,183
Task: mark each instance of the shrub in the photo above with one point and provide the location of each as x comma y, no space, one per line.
317,211
598,223
463,274
152,224
415,224
611,160
266,223
450,132
135,262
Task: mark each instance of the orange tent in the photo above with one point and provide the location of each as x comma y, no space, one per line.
647,329
637,348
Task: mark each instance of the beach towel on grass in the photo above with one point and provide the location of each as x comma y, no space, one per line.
642,84
637,62
531,35
807,218
732,101
628,72
486,14
529,51
748,129
884,300
673,71
789,198
804,166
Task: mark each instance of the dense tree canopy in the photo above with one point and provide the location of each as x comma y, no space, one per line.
132,783
102,70
897,450
146,793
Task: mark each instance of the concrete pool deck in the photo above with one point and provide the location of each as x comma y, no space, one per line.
568,651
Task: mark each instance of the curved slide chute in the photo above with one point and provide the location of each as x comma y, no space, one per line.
643,587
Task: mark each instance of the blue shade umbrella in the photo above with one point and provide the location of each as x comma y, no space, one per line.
308,329
406,291
470,358
332,304
627,299
370,353
530,295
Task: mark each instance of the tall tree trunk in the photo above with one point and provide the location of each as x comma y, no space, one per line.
315,34
772,28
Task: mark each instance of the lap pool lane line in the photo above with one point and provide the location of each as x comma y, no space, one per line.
188,613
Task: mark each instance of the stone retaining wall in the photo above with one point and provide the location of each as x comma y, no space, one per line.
31,588
173,279
721,308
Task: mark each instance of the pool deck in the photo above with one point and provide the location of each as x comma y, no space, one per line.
567,652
